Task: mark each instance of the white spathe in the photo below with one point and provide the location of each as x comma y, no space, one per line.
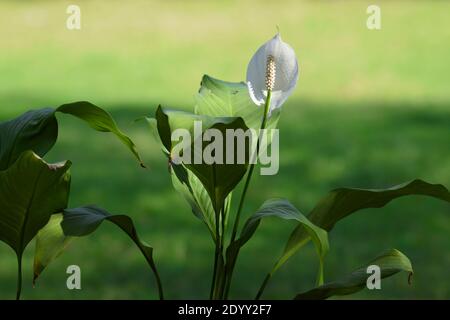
286,74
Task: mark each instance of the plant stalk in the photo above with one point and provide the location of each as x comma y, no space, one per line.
244,193
263,286
217,252
19,276
214,276
250,171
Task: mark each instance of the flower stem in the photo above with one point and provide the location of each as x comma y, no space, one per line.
244,192
214,276
217,252
250,172
213,280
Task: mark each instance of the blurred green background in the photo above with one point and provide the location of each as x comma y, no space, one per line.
372,109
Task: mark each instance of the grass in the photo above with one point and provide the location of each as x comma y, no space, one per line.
371,110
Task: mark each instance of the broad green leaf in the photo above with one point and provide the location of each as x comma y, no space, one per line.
219,98
31,190
190,187
34,130
280,208
50,243
153,125
83,221
187,184
99,120
390,262
169,120
37,130
218,179
342,202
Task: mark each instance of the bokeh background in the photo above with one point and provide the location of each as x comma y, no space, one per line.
371,110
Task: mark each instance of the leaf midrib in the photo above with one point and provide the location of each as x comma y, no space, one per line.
27,213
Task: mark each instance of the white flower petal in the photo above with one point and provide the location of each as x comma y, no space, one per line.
286,74
257,99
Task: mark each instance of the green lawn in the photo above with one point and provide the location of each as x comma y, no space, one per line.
372,109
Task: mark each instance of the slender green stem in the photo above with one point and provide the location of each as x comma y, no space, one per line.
19,276
250,172
216,258
263,286
244,193
222,241
214,276
222,277
212,292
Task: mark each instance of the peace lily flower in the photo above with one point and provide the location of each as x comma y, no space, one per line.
274,68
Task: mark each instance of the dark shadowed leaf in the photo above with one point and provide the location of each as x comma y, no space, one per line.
35,130
80,222
390,262
31,190
342,202
188,185
218,179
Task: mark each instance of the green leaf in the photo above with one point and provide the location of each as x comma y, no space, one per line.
390,262
80,222
219,98
218,179
169,120
342,202
190,187
153,125
25,204
183,180
31,190
50,244
34,130
37,130
280,208
99,120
